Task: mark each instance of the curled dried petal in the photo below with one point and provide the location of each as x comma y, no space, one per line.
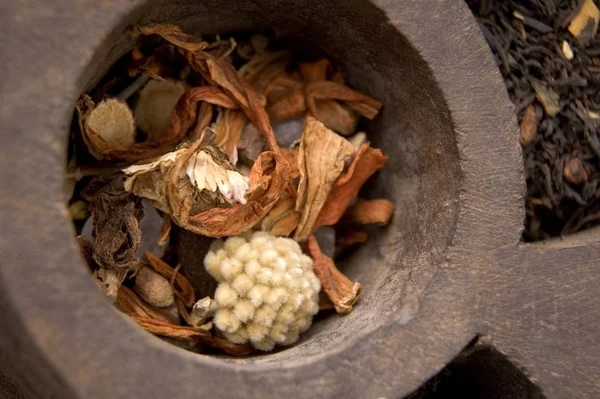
339,288
321,160
365,163
378,211
328,90
131,304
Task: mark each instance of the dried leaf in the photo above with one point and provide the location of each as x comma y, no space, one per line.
321,160
155,106
377,211
106,127
183,288
191,334
365,163
328,90
129,303
339,289
116,231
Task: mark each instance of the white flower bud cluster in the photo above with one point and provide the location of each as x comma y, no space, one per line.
267,293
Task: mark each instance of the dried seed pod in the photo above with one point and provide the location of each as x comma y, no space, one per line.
574,171
528,126
107,126
155,106
153,288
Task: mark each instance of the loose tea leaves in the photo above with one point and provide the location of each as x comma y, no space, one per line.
549,55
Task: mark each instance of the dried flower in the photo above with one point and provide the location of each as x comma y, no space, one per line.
153,288
155,106
584,24
105,127
267,291
339,289
321,160
283,218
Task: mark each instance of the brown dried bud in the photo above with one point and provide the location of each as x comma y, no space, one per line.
153,288
574,171
107,126
528,126
155,106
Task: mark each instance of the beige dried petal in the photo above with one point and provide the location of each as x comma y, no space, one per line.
283,218
321,160
584,24
155,105
358,140
337,117
107,126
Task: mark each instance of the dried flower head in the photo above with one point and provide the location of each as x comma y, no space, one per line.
267,291
155,106
153,288
107,126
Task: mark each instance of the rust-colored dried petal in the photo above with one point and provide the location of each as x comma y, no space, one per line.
288,107
328,90
377,211
228,129
183,288
165,230
337,117
131,304
315,71
339,288
283,218
365,163
194,334
321,160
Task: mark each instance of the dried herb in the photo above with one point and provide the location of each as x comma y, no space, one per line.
116,231
321,160
131,304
